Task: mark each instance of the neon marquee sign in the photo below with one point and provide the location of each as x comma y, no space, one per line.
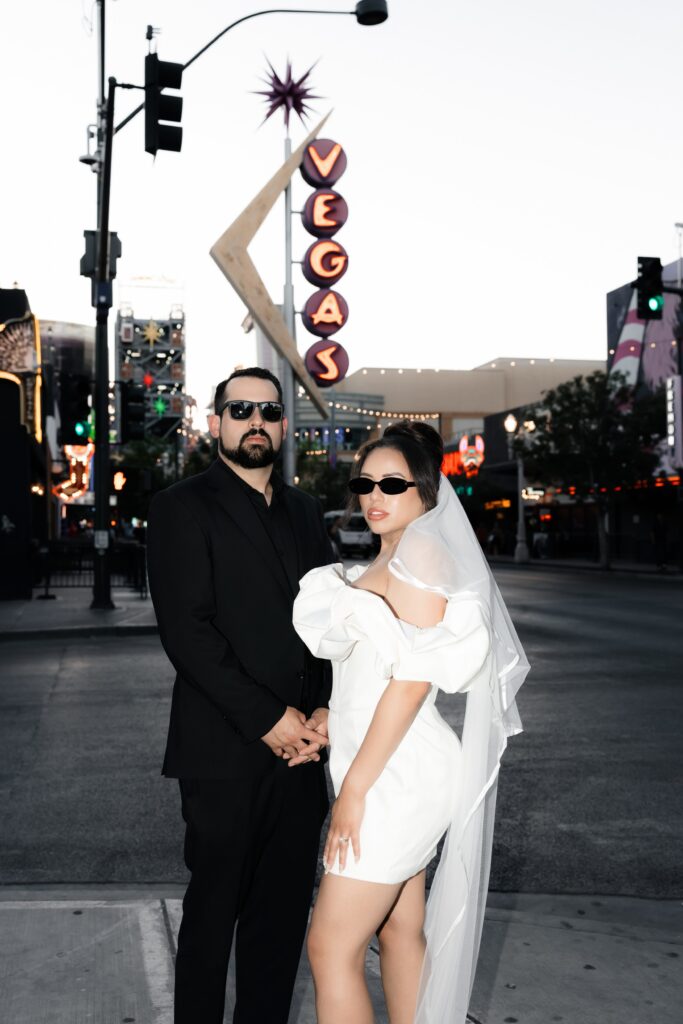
325,261
467,460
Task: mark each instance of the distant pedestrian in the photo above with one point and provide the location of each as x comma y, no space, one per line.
227,548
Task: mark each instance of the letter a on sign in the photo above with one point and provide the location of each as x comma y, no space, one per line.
324,163
328,312
325,313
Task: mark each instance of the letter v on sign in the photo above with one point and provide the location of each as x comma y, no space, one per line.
230,253
324,164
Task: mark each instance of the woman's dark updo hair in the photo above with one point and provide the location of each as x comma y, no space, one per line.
422,448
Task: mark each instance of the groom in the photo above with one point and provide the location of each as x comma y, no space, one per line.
226,550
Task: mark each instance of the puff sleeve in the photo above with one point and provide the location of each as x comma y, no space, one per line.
322,613
452,655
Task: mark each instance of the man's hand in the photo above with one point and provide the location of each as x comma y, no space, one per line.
317,722
292,736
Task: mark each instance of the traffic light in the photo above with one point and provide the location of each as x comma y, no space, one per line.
132,413
649,288
74,408
162,74
89,258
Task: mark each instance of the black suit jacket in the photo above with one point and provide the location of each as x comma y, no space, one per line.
223,602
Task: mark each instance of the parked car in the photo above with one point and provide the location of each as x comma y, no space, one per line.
349,538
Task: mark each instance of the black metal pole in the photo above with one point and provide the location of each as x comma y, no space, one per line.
102,299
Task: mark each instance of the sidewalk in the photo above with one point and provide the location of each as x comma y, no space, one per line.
670,572
70,614
106,956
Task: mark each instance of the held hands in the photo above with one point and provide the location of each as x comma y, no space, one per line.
344,832
292,737
317,722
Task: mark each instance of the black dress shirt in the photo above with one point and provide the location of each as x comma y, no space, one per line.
276,522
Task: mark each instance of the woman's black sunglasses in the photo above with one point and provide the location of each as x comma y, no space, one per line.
389,485
271,411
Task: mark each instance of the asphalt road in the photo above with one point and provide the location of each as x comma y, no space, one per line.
589,795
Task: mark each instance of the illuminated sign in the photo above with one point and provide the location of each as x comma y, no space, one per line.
467,460
327,362
325,313
500,503
325,262
323,164
80,459
324,213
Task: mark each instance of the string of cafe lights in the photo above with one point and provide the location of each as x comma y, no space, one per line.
380,414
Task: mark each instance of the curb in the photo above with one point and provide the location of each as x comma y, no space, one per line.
672,577
76,632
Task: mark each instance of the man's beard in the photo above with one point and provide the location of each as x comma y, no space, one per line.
253,456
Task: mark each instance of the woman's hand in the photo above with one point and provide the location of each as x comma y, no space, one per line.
344,832
317,722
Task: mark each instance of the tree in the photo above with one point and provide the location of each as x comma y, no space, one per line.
593,434
318,478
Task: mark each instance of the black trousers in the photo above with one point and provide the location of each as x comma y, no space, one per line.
251,846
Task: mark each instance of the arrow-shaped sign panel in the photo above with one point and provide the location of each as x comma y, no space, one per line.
230,253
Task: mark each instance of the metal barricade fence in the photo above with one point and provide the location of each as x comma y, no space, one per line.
70,563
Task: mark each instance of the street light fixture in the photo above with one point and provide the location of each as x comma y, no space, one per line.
371,12
511,426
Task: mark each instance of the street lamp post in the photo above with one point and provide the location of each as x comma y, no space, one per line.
366,12
521,547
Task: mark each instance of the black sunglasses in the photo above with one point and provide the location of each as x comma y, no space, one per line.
271,411
389,485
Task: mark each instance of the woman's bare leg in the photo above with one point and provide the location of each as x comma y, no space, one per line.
401,950
347,914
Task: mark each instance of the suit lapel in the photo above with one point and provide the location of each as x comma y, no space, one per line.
297,524
236,503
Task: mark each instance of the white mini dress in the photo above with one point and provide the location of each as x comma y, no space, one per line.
411,804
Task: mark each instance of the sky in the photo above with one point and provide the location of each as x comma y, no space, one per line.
507,163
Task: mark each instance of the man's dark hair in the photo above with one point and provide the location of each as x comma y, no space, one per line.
250,371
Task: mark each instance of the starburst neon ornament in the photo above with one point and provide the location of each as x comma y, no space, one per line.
151,332
287,94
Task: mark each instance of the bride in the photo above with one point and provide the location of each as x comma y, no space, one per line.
425,615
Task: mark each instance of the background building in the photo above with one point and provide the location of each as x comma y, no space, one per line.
456,402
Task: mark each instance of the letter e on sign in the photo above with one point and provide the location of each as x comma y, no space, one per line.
324,213
323,164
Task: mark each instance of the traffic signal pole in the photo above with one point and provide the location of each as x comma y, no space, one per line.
102,300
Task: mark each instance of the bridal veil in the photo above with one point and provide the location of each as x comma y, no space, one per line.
440,552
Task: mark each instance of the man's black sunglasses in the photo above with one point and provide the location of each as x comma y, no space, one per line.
271,411
389,485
